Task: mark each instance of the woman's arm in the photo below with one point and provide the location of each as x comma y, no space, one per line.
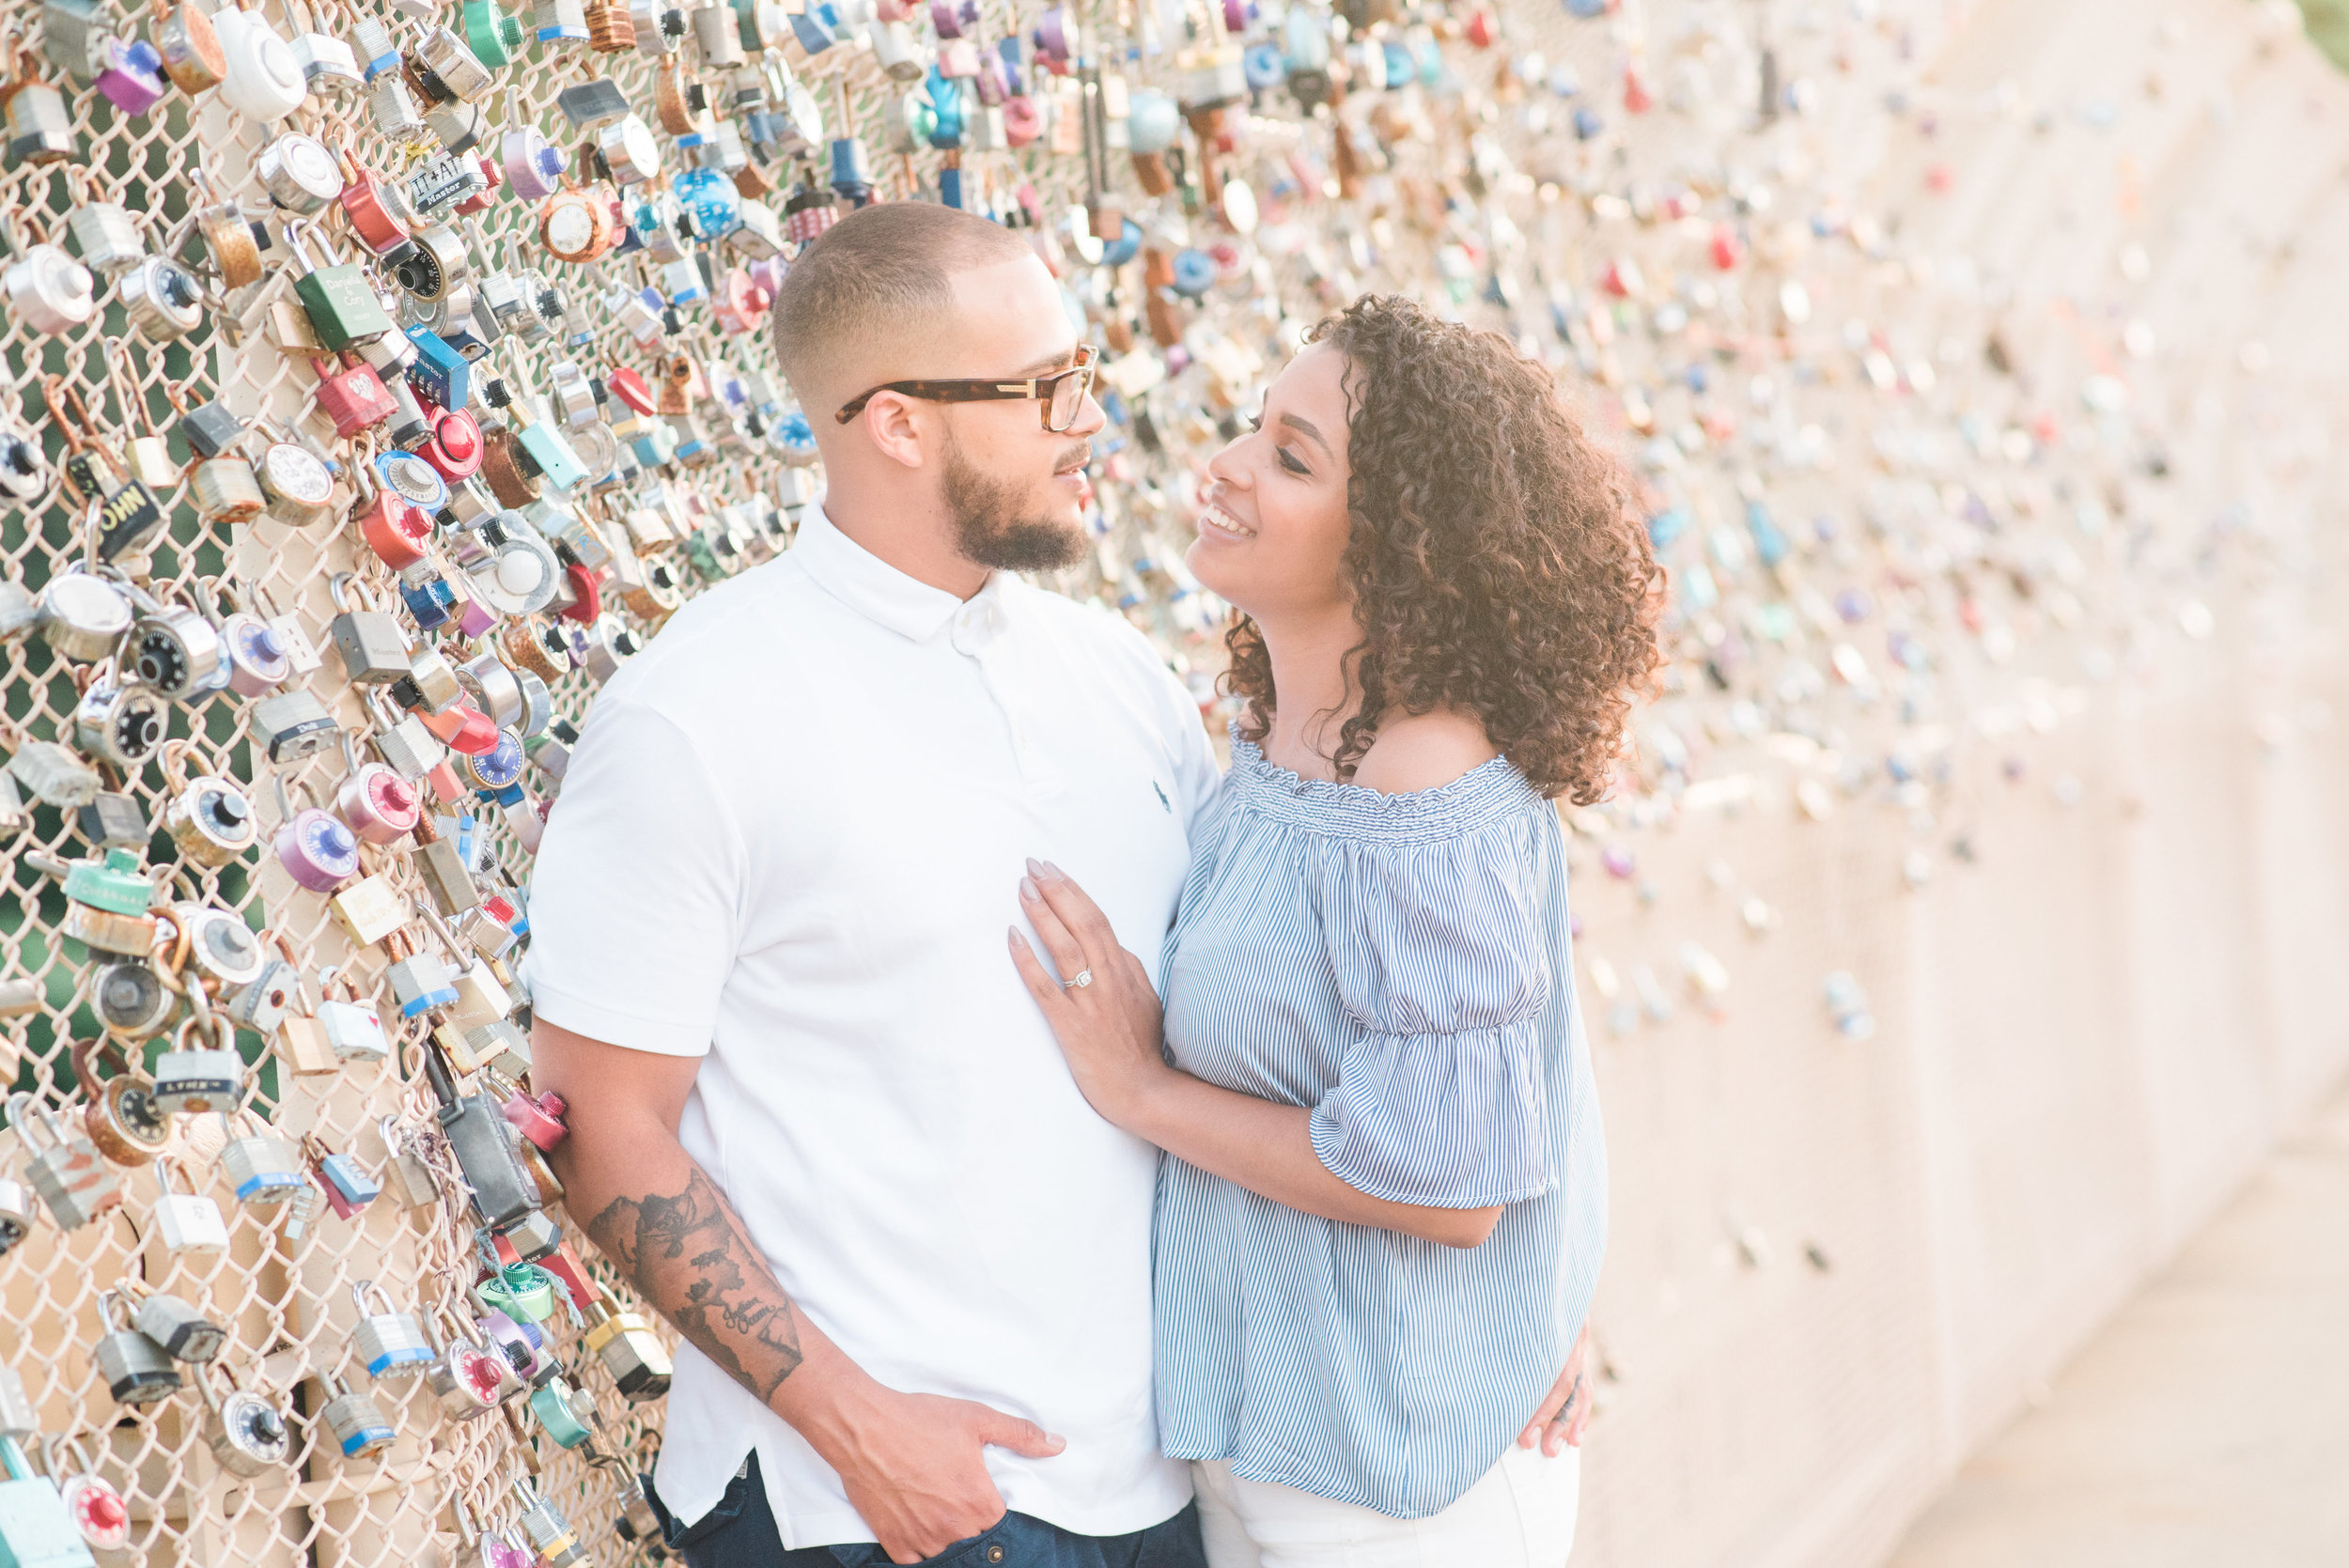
1111,1031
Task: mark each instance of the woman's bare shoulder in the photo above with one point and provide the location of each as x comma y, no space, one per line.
1423,751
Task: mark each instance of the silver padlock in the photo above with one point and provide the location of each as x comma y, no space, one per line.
83,616
163,300
550,1533
221,946
16,1214
354,1028
246,1432
359,1426
176,650
55,776
390,1344
261,1167
404,1175
65,1167
261,1003
137,1369
184,1333
192,1079
20,1420
131,1000
49,290
107,235
292,725
469,1379
119,725
190,1223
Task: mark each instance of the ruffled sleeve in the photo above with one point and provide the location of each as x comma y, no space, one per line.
1441,962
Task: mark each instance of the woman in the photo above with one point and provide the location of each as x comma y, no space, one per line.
1381,1221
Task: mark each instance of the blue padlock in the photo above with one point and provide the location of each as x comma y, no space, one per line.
439,371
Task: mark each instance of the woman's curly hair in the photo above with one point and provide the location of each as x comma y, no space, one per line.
1496,563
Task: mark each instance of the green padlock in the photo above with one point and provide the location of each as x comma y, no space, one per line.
558,1408
494,37
523,1291
341,303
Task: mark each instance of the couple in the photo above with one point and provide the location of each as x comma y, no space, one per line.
895,1175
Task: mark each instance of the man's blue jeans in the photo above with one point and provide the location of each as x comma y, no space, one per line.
739,1532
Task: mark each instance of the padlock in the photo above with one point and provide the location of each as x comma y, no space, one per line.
226,489
54,775
36,1531
560,23
478,1136
263,81
185,1332
48,289
560,1413
20,1418
16,1214
120,1115
521,1345
628,1349
83,616
358,1424
374,651
419,981
137,1369
131,1000
210,819
406,746
114,819
316,849
246,1432
189,1222
442,865
192,1079
370,908
329,66
292,725
550,1533
346,1182
64,1168
340,302
405,1174
177,651
480,1546
533,1238
223,948
261,1167
453,65
390,1344
190,46
537,1118
354,1029
100,1515
430,686
297,488
500,1045
468,1379
118,724
107,904
351,395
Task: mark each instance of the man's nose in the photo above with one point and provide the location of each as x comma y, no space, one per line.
1090,417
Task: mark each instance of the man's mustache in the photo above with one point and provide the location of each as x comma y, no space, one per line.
1074,458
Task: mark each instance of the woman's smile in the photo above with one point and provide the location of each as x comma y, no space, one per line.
1217,523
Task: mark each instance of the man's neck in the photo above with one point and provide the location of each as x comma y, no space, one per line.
1313,682
912,533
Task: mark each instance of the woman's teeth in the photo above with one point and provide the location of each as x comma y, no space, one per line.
1215,517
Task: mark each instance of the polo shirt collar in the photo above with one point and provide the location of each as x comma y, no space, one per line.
870,585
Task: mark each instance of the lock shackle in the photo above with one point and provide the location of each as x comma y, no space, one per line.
113,1297
89,1055
361,1289
164,1165
40,1114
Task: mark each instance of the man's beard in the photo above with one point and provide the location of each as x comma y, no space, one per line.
989,528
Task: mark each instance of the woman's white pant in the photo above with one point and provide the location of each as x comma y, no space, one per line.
1520,1514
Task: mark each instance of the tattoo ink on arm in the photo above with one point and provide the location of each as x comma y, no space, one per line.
690,1256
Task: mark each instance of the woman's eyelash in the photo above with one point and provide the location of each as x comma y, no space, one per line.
1289,462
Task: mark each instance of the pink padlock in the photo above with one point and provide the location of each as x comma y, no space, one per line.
318,851
539,1120
131,75
533,167
1022,123
946,16
379,805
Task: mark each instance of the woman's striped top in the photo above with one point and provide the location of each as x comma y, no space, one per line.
1400,964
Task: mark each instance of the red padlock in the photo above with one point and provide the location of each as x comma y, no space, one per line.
1481,29
455,447
463,728
539,1120
373,209
395,531
586,604
493,173
353,396
631,387
565,1265
1726,250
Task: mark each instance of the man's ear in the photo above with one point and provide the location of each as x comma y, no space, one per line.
893,425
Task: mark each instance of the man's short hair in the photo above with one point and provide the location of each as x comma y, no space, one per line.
877,279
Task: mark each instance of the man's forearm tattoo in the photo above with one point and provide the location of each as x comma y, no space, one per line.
689,1256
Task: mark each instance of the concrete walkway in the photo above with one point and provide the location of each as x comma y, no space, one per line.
2208,1424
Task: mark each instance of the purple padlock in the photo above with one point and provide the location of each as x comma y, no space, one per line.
475,618
947,18
317,848
533,168
131,75
1235,16
994,82
767,272
1051,34
519,1342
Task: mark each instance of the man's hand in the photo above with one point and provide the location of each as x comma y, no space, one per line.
1566,1410
911,1463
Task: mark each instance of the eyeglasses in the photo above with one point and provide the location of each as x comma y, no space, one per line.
1062,392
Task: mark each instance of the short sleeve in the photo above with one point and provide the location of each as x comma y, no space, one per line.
635,904
1441,962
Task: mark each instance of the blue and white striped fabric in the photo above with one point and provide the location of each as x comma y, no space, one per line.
1402,965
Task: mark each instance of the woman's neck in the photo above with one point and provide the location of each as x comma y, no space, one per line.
1314,686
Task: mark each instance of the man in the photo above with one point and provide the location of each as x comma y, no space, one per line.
814,1115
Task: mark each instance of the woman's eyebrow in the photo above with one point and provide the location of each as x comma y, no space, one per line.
1307,426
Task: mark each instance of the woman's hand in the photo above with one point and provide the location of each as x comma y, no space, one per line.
1107,1018
1566,1410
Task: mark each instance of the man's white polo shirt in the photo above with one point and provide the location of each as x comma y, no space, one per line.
789,844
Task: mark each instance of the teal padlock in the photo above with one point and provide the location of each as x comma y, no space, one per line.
548,450
522,1291
494,37
559,1408
36,1531
341,303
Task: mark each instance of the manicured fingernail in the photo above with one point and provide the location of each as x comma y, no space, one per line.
1017,940
1027,887
1053,873
1035,867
